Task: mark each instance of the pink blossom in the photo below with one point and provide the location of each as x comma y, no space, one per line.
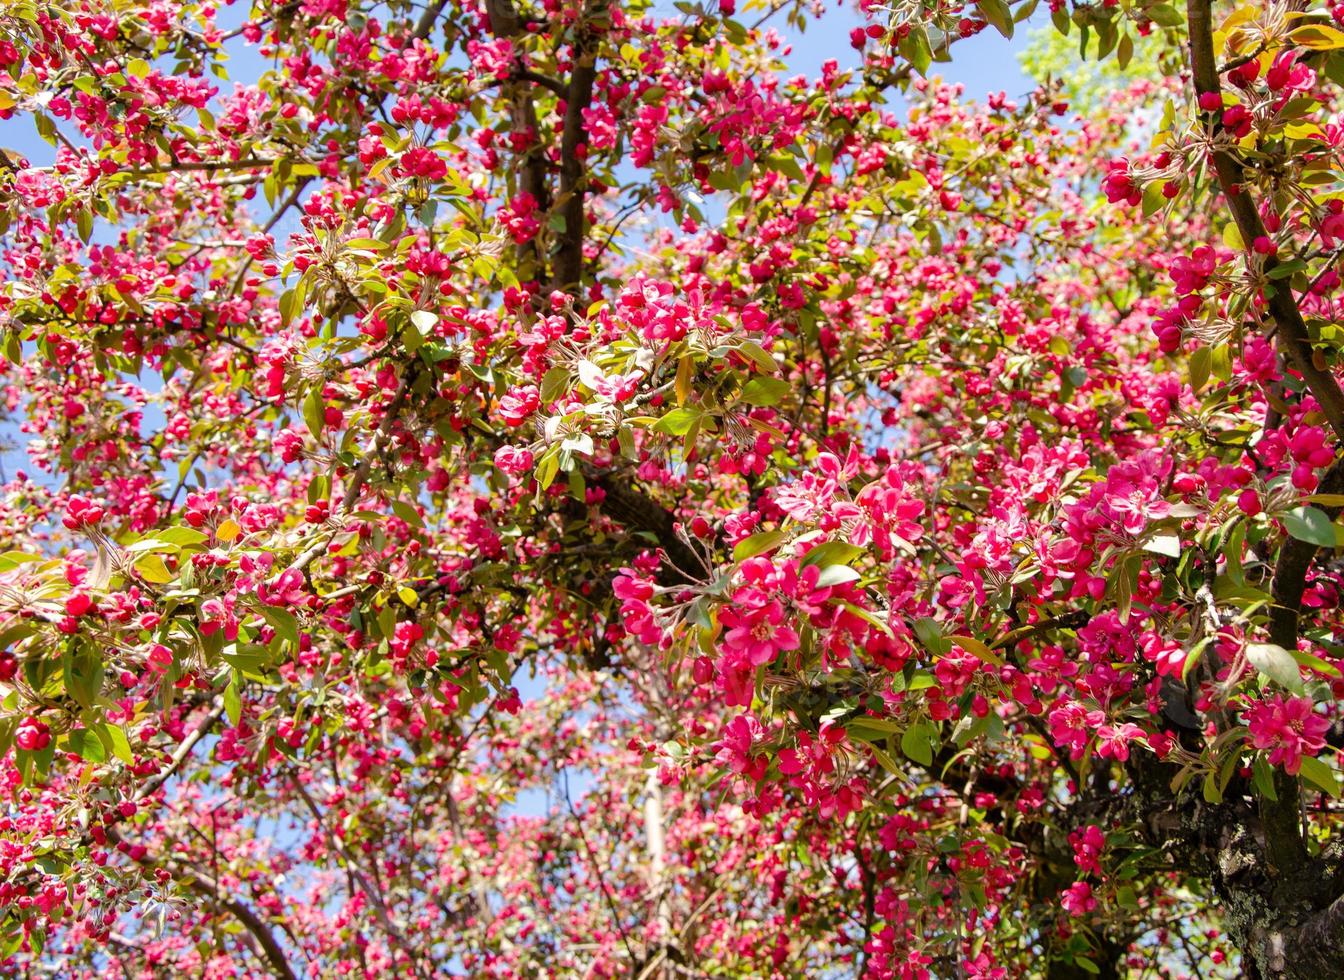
760,633
1289,727
1077,899
519,403
513,460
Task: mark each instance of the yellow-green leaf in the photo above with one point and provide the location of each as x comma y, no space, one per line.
152,569
973,646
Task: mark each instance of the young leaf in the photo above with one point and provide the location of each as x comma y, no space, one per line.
233,702
977,648
764,392
917,743
1310,525
1276,663
758,544
1320,774
314,412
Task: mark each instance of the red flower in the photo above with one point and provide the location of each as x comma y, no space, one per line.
1289,727
759,633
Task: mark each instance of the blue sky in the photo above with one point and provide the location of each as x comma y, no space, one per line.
984,63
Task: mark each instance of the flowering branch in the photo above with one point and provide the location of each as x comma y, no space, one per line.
1294,339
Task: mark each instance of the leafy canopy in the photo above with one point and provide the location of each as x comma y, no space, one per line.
541,489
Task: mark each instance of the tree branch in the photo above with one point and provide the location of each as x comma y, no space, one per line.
182,751
568,273
203,884
361,474
632,509
505,23
207,886
1294,339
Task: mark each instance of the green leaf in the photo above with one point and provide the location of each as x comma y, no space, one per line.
1165,16
591,376
154,543
836,575
1192,659
314,414
13,559
577,488
1318,37
977,648
1124,51
233,701
764,392
1153,198
553,384
885,760
867,616
917,742
1313,662
625,437
1320,774
286,305
1124,578
832,553
997,13
580,443
86,745
183,537
825,157
1164,544
1310,525
548,467
914,48
1276,663
121,745
252,661
1283,270
758,544
678,421
83,673
759,356
1262,778
407,513
867,727
282,621
152,569
931,635
1201,364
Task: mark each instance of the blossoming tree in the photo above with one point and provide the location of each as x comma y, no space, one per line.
537,489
